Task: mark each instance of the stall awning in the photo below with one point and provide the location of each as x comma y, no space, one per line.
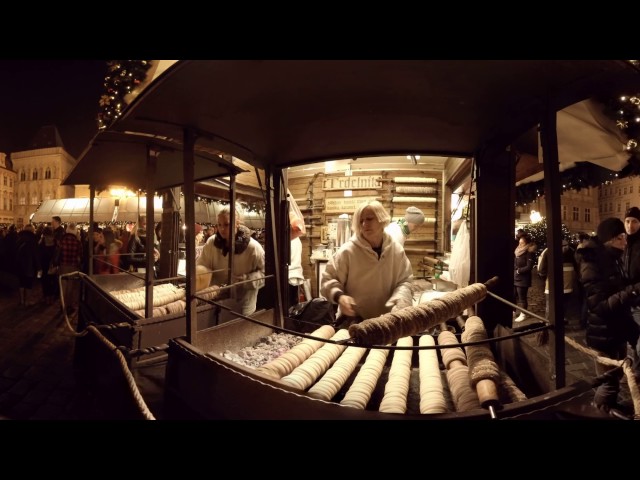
74,210
124,157
281,112
127,210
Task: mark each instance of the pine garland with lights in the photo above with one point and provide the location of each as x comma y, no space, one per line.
123,77
538,233
625,111
583,175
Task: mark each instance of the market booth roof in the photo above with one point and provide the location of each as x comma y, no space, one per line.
110,209
124,157
288,112
74,210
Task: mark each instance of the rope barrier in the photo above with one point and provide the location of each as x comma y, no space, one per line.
127,373
142,406
624,364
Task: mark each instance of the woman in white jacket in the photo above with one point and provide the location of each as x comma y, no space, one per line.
370,275
248,260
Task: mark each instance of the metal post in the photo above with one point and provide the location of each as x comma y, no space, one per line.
188,168
149,246
552,187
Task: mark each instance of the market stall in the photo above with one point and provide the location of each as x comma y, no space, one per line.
470,109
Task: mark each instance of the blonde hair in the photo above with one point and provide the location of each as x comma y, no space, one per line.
226,210
381,214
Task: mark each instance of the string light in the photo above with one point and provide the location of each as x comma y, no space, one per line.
123,77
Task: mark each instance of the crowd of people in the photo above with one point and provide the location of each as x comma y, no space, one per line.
605,269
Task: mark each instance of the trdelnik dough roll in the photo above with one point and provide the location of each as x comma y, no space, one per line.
388,328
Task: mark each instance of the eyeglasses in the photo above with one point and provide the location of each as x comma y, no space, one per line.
621,237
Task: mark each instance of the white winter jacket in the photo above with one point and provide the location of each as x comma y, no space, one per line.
248,265
376,284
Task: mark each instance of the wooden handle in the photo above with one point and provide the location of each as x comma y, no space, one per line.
492,282
487,392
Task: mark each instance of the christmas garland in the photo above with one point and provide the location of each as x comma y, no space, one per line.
123,77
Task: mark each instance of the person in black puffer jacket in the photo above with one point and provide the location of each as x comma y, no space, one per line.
631,261
609,298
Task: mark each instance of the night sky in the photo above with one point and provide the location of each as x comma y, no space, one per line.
35,93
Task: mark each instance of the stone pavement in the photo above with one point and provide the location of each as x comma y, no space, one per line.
36,375
576,362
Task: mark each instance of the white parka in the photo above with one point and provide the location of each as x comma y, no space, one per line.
248,265
376,284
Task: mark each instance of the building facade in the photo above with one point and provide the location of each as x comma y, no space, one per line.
7,184
39,172
579,210
617,196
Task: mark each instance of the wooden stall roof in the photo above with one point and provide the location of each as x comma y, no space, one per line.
117,158
292,112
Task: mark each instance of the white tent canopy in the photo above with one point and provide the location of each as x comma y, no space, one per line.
74,210
105,210
586,134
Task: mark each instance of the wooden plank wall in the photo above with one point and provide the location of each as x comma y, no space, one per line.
426,240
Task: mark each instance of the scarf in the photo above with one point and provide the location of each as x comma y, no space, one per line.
520,249
242,237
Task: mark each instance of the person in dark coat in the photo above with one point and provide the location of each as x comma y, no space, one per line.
569,273
631,261
10,250
27,263
58,229
522,266
610,326
583,239
47,251
137,247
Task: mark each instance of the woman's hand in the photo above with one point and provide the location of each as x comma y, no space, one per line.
347,305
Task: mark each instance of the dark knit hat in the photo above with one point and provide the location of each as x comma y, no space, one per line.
610,228
633,212
414,215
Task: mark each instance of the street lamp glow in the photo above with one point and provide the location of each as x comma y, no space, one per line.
535,216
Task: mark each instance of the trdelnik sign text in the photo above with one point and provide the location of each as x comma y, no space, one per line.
352,183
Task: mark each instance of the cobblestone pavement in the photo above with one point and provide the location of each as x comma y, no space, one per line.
37,381
577,363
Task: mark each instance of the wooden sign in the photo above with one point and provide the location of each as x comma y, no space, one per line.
354,182
344,204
